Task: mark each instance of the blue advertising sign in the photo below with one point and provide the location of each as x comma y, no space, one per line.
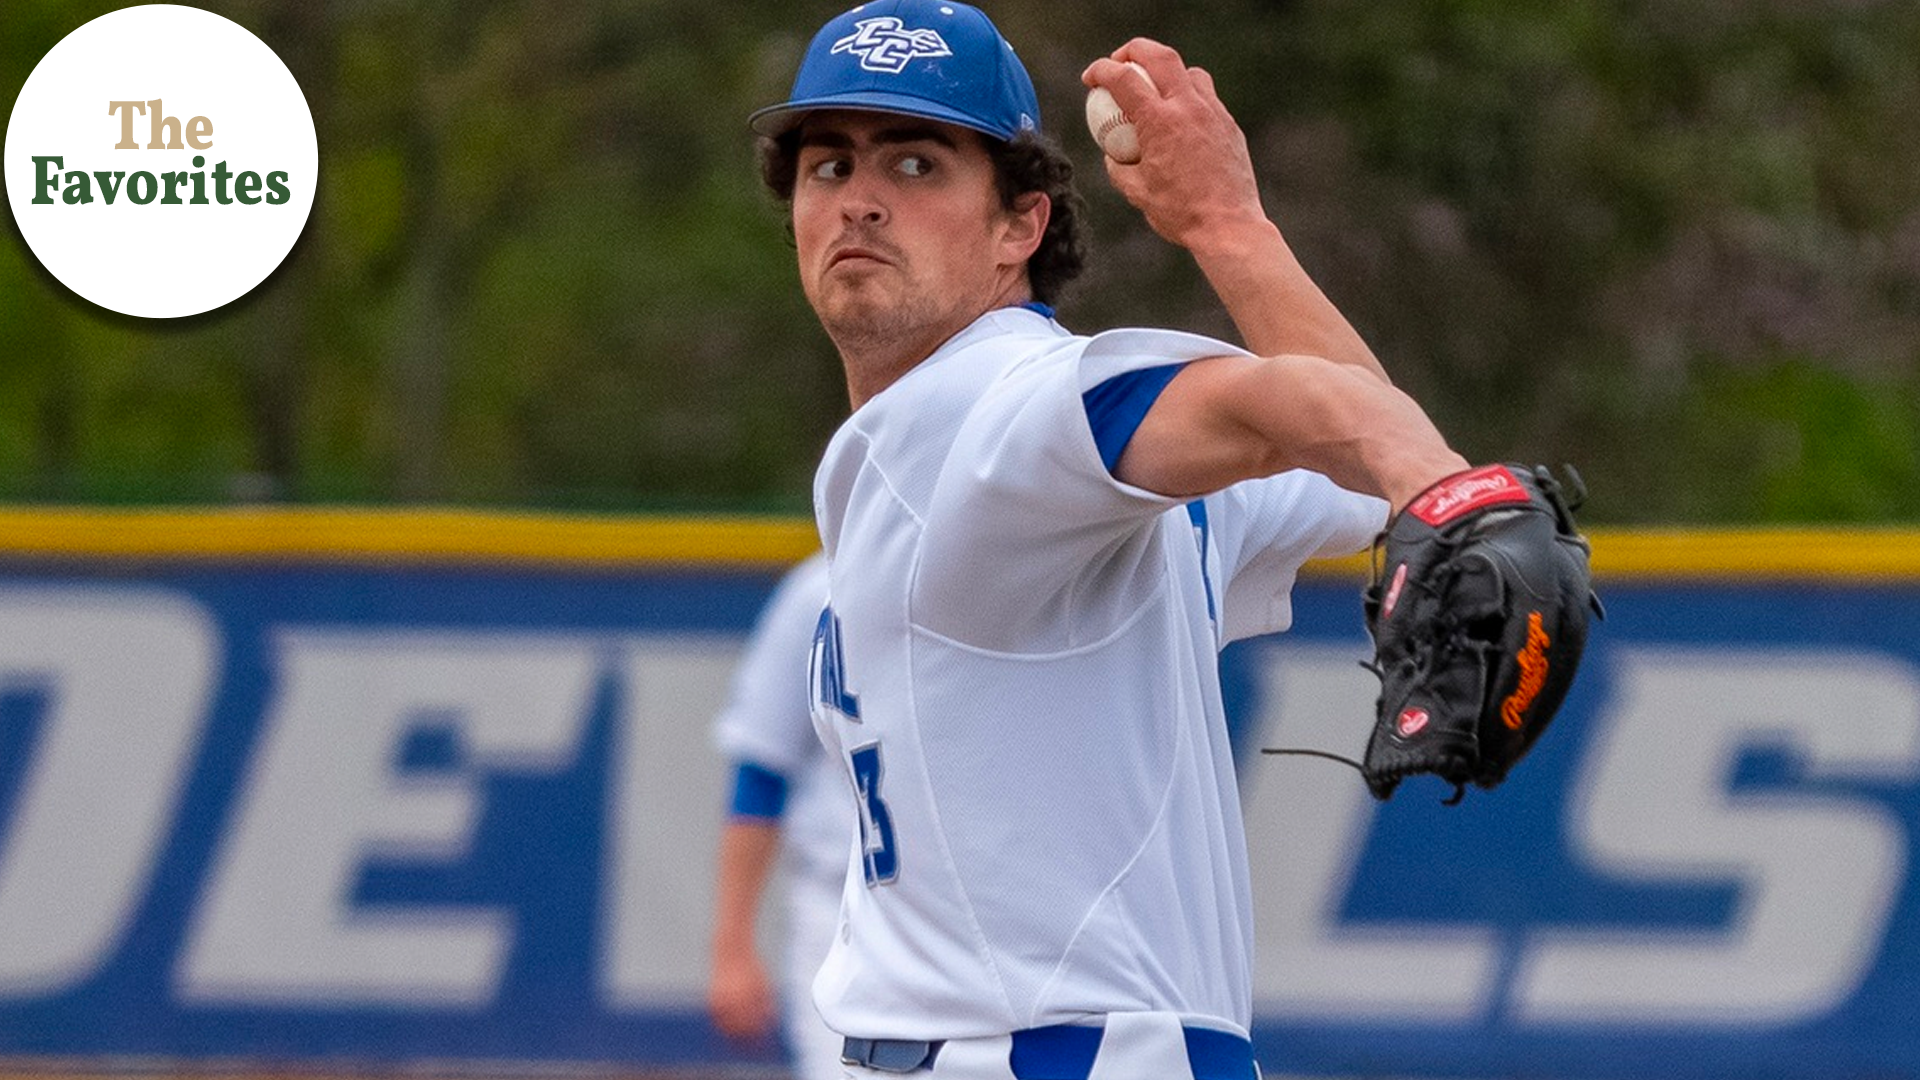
1703,870
358,813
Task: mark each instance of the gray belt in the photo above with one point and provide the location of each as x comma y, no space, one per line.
890,1055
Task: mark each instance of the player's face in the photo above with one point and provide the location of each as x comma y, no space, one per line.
901,235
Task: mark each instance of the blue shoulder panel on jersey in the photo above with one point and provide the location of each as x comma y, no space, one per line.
758,792
1116,407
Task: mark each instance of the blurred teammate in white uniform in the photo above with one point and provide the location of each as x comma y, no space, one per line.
790,802
1038,544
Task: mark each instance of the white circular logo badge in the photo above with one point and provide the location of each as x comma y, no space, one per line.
161,161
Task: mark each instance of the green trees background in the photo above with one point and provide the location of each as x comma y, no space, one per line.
1676,242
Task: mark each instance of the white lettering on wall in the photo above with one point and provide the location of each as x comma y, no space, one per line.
123,678
324,796
1818,873
663,822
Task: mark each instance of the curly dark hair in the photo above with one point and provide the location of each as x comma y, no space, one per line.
1026,163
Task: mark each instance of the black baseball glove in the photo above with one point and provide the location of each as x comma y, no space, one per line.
1478,610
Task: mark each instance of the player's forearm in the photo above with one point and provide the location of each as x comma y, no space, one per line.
747,849
1360,431
1276,306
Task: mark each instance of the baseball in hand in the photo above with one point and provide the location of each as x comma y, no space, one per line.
1110,127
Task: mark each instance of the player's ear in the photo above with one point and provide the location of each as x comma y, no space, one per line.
1026,224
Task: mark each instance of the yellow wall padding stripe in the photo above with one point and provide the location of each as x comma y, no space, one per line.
409,536
1821,554
443,536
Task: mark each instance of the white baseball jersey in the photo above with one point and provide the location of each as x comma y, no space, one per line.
1019,669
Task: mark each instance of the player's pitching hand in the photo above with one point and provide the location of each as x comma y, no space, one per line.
740,1000
1194,181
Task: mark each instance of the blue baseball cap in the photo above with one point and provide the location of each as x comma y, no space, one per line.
934,58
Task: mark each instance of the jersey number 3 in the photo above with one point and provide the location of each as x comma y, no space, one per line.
877,852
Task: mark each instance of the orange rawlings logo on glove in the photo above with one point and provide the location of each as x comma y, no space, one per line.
1532,659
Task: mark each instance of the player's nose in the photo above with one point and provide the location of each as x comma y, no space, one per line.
863,199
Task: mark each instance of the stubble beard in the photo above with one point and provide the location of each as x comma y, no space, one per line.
869,327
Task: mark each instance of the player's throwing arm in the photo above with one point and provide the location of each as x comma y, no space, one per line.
1480,605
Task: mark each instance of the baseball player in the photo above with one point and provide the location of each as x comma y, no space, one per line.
789,800
1039,541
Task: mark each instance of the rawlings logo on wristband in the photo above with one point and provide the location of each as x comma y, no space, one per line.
1488,485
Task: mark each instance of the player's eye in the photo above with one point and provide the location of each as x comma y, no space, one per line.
831,168
915,165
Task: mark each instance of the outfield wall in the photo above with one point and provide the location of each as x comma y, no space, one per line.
346,788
